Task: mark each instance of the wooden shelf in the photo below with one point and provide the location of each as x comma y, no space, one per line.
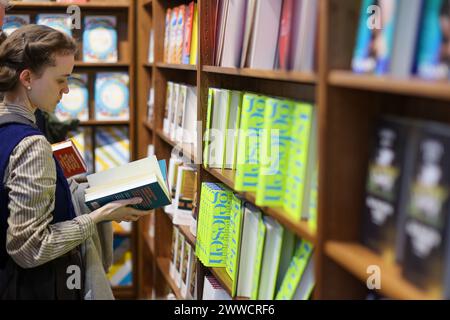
224,279
191,239
148,65
186,147
89,5
188,67
290,76
355,258
147,4
150,242
148,125
164,267
105,123
412,87
300,228
124,293
81,64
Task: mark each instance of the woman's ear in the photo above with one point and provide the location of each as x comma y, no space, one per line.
25,78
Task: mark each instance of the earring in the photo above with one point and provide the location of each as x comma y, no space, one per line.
29,88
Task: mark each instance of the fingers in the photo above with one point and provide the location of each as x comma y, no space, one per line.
128,202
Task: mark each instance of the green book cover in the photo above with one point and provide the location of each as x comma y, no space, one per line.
258,257
274,155
207,126
238,126
234,240
252,122
312,221
300,135
297,266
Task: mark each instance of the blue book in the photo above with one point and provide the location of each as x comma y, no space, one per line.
100,39
144,178
58,21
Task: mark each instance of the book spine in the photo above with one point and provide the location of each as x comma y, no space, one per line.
188,34
258,258
194,42
252,122
296,268
295,182
274,156
208,126
167,35
284,39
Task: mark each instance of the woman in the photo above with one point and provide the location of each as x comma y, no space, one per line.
40,232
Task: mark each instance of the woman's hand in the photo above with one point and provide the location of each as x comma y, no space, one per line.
119,211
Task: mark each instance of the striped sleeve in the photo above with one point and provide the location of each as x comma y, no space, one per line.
31,182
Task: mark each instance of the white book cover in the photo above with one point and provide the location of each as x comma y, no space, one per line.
234,31
271,258
174,163
168,108
173,35
173,111
187,258
174,252
233,127
248,251
263,46
151,47
181,108
218,128
248,29
179,260
190,117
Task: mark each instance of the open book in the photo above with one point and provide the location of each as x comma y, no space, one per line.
69,158
144,178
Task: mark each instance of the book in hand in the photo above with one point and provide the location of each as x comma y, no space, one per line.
69,158
143,178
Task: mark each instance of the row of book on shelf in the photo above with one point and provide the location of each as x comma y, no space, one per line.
271,142
180,114
181,35
111,97
263,260
406,218
99,32
265,34
403,38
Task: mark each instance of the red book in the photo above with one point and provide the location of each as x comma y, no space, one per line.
69,158
284,40
188,34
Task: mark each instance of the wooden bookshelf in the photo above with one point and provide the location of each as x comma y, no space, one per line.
186,67
289,76
356,258
384,84
164,266
347,108
150,242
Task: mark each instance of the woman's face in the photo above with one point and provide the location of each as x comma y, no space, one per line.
48,89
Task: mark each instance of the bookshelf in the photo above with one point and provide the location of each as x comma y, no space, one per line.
123,10
347,107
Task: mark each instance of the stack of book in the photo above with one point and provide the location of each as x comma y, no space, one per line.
270,34
263,260
181,34
265,138
403,38
405,218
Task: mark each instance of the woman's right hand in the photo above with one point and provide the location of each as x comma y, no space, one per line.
119,211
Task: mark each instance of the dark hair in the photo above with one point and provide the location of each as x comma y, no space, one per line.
31,47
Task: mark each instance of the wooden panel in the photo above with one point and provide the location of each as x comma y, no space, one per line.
164,266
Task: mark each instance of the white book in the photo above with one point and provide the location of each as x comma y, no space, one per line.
173,110
218,128
174,163
168,107
304,36
190,117
287,253
184,189
248,252
212,290
221,30
307,282
234,31
151,47
177,134
233,127
174,252
271,259
248,29
263,46
173,35
186,269
179,259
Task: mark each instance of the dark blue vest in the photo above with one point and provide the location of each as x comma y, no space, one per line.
11,135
